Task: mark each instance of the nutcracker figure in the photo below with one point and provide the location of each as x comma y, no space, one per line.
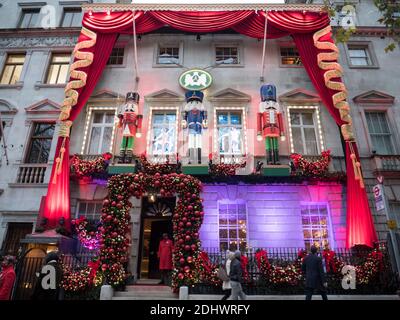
195,120
270,123
131,124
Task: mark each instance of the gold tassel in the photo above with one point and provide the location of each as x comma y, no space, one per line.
64,131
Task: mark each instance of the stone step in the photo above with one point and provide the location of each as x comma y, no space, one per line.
147,281
148,288
298,297
145,294
143,298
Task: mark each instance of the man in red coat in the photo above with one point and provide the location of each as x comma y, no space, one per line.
7,278
165,255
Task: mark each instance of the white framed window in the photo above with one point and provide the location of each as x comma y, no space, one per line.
305,130
30,18
163,136
40,142
289,57
116,57
379,132
230,133
360,54
168,54
227,55
316,225
12,69
91,210
232,220
99,130
57,72
72,17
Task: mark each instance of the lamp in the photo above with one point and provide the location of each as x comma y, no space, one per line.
152,197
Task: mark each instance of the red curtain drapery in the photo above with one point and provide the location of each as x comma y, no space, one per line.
57,202
300,25
359,225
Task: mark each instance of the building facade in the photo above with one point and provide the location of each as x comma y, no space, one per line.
34,63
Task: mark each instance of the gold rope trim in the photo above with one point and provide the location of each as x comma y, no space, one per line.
83,59
328,61
65,127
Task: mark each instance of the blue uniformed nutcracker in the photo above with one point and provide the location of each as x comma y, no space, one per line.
195,120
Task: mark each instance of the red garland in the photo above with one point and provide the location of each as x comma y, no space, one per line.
89,239
86,168
153,168
366,271
187,219
316,168
225,169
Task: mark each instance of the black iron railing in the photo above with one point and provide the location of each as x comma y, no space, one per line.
386,282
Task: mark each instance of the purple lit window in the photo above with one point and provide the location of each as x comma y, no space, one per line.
232,226
315,222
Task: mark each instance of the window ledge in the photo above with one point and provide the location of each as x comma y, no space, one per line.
112,66
229,65
28,185
155,65
39,85
291,66
364,67
17,86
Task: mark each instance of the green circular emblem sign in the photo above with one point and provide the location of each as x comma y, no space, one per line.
195,79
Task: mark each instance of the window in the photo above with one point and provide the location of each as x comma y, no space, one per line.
227,55
230,133
101,132
30,18
91,210
290,57
116,57
168,55
163,139
315,222
303,133
379,132
359,56
40,143
232,226
16,231
394,208
58,68
12,69
72,17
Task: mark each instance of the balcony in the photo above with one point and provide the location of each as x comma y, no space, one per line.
31,174
387,164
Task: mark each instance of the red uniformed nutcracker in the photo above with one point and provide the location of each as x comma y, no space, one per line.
131,124
270,123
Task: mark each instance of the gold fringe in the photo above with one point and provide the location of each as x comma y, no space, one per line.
328,61
83,59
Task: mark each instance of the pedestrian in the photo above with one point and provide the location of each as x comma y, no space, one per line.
48,288
165,249
7,278
315,275
235,276
226,283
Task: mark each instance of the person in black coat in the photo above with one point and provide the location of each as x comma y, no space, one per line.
56,293
235,277
315,275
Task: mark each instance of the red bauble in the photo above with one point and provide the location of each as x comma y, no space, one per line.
176,216
106,202
187,247
188,224
180,224
181,241
186,269
190,208
188,238
189,259
104,267
109,217
119,205
193,247
113,203
120,197
182,261
181,276
184,219
136,179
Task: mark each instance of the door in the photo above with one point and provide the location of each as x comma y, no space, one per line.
16,231
158,227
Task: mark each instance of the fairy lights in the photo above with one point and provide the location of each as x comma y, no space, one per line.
319,126
87,126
